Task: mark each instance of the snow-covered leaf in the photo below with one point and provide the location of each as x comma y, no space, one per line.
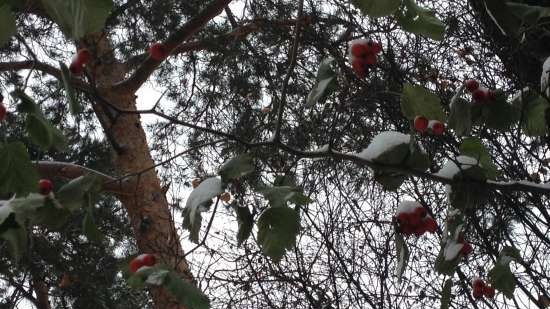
417,101
17,174
157,277
199,201
444,266
236,167
325,82
279,196
8,27
387,148
277,230
422,21
377,8
473,147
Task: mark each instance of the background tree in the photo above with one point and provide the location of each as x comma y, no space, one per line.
236,78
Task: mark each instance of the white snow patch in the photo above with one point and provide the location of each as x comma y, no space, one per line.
382,143
452,249
206,191
407,207
324,148
544,78
450,169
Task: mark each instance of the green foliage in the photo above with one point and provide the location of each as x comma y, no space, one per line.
419,20
279,196
514,18
402,253
325,82
446,294
377,8
473,147
17,174
417,101
8,28
499,115
236,167
78,18
533,109
199,201
89,228
74,105
501,276
277,231
245,220
74,194
460,117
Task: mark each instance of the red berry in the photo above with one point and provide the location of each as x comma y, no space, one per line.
477,293
479,95
158,51
489,291
430,225
376,47
420,211
76,67
135,264
147,259
83,56
466,249
478,284
3,112
407,229
359,67
421,124
403,218
420,230
415,220
437,127
45,186
471,85
359,50
371,59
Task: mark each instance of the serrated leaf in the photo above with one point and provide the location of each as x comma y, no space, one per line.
245,221
279,196
473,147
390,181
446,294
39,131
277,231
418,20
460,117
236,167
185,292
377,8
78,18
8,27
73,195
499,115
17,174
502,279
74,106
402,253
417,101
325,82
199,201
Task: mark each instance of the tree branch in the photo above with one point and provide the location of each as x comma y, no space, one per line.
142,73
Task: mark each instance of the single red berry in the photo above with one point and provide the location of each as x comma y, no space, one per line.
415,220
3,112
370,59
148,259
437,127
45,186
479,95
477,283
477,293
158,51
489,291
421,211
359,67
466,249
76,67
471,85
407,229
359,50
376,47
420,230
421,124
83,56
135,264
403,218
430,225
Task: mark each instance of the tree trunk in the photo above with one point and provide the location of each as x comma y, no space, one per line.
147,206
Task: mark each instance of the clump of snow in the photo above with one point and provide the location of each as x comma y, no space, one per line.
324,148
382,143
407,207
452,249
206,191
545,77
450,169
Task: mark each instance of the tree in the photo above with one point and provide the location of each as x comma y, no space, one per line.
301,150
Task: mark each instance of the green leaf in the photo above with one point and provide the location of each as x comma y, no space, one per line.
534,117
78,18
245,221
418,159
26,207
90,228
446,294
277,230
402,253
377,8
444,266
8,27
279,196
499,115
39,131
418,20
17,174
473,147
236,167
73,195
325,82
16,237
502,16
50,215
528,14
185,292
390,181
460,118
74,105
417,101
502,279
199,201
27,104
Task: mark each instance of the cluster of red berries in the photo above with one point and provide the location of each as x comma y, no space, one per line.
417,222
3,110
158,51
423,125
480,95
142,260
363,54
80,60
480,289
45,186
